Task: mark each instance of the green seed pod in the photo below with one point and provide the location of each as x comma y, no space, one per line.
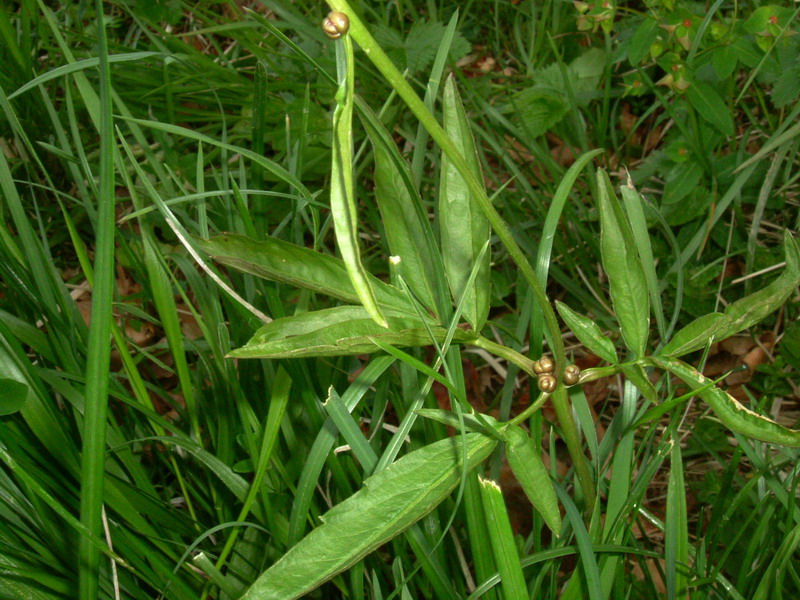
335,25
547,383
572,374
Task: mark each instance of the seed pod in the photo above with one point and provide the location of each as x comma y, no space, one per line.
546,364
547,383
335,25
537,367
572,374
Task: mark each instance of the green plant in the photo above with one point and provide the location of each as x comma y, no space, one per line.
215,470
420,317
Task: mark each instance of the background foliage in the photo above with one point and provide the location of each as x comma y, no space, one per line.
217,117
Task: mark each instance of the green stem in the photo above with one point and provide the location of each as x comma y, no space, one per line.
512,356
563,412
572,439
528,412
600,372
382,62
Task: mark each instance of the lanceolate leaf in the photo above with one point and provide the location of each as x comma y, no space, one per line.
388,503
281,261
695,335
463,226
343,200
750,310
339,331
638,377
626,279
407,229
743,313
588,333
528,468
734,415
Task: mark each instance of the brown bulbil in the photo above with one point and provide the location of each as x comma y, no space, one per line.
546,364
547,383
335,25
572,374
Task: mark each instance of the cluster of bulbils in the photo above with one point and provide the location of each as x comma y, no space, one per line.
335,25
547,381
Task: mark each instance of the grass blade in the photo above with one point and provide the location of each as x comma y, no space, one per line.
99,351
544,252
676,545
512,580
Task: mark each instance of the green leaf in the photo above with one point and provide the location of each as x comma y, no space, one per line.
501,536
627,284
634,205
734,415
388,503
641,40
546,240
787,86
724,61
281,261
693,336
637,376
13,395
747,52
407,228
588,333
80,65
476,423
526,463
463,226
710,105
764,16
539,109
339,331
343,199
421,44
351,432
751,309
743,313
682,180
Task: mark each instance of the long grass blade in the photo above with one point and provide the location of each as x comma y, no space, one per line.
99,351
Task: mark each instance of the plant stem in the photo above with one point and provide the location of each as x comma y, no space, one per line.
600,372
384,64
512,356
572,439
